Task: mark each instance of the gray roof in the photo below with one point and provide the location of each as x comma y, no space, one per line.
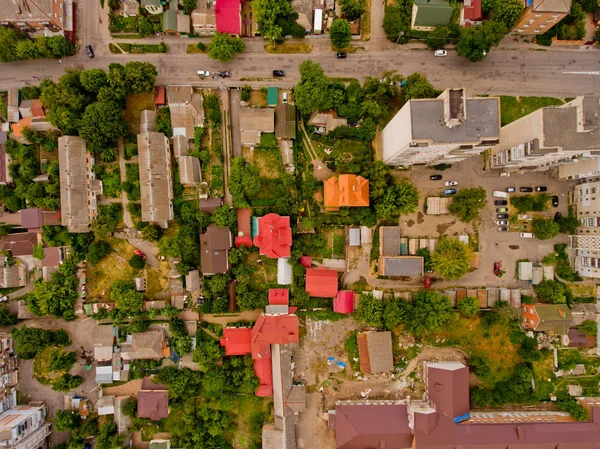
170,20
189,170
479,120
354,237
285,117
22,10
376,356
563,129
147,121
192,280
401,266
181,146
389,241
214,249
552,6
156,185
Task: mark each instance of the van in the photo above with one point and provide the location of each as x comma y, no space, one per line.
499,194
284,97
527,235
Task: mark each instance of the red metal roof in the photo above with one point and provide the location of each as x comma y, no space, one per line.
160,98
244,240
344,303
274,330
473,11
279,296
236,340
243,222
321,282
306,261
274,237
263,370
227,14
36,108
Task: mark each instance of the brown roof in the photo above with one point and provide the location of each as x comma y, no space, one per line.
144,345
375,352
20,244
181,146
579,339
147,121
75,185
156,185
329,120
244,217
253,122
285,118
214,250
448,387
183,23
15,276
210,205
192,280
52,257
32,218
153,405
189,170
149,384
103,335
363,426
186,110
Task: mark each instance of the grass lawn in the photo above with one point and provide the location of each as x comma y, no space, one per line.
144,48
110,176
270,191
251,412
270,270
288,48
194,50
268,162
513,108
347,155
156,280
365,22
339,244
258,98
258,278
113,267
41,366
134,105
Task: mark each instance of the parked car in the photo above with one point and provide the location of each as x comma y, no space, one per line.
278,73
500,203
224,74
510,189
499,194
435,177
502,223
90,51
526,189
557,216
451,183
497,268
541,189
427,282
440,53
341,55
502,229
500,210
501,216
449,191
284,97
202,73
527,235
4,299
555,201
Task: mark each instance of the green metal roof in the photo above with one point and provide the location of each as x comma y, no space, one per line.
170,20
554,317
150,2
431,13
272,96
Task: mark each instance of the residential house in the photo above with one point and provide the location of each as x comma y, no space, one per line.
156,183
427,14
274,238
12,276
105,405
34,123
53,258
49,16
78,185
325,122
145,345
215,244
541,15
254,122
344,302
31,108
321,282
103,339
550,136
554,318
375,352
228,17
147,121
8,367
153,7
192,283
285,121
446,129
175,22
181,146
204,22
189,170
393,261
346,191
185,107
20,245
24,426
13,101
153,400
209,205
34,218
471,13
578,339
244,237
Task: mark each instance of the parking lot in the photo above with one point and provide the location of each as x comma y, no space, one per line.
494,246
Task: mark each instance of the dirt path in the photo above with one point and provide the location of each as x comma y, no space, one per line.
122,170
248,315
320,170
131,388
435,354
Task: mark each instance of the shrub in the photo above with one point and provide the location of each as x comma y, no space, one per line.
137,262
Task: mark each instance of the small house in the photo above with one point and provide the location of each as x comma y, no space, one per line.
321,282
375,352
552,318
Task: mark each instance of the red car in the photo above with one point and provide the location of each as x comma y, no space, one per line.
497,268
137,252
427,282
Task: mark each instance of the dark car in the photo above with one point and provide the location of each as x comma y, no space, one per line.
449,191
503,229
90,51
541,189
497,268
501,216
278,73
526,189
557,216
224,74
500,203
555,201
341,55
435,177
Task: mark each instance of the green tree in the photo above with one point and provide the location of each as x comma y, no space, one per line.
469,307
125,297
97,251
370,310
56,297
589,327
66,420
438,38
207,354
29,341
223,46
588,5
551,291
152,232
398,199
244,182
451,259
93,80
224,216
270,14
108,437
7,318
67,383
189,6
61,360
394,313
394,24
311,93
352,9
417,86
183,383
476,42
529,350
508,12
467,203
38,252
182,342
26,49
130,408
340,34
137,262
102,124
9,38
574,408
428,311
545,229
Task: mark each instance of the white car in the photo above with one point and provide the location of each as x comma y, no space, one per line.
451,183
4,298
203,73
440,53
502,223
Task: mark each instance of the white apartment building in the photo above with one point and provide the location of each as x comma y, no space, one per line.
24,427
446,129
585,245
8,373
551,136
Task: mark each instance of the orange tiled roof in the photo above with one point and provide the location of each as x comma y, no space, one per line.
17,128
348,190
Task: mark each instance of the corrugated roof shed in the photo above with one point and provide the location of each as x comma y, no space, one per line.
525,271
438,205
321,282
375,352
272,96
537,275
493,296
189,170
354,237
406,266
285,118
389,241
284,271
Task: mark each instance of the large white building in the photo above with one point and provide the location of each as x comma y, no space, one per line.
446,129
24,427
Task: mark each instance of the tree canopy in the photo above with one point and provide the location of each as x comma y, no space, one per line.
102,124
223,46
340,34
311,91
370,310
476,42
398,199
56,297
352,9
467,203
551,291
428,311
273,17
29,341
125,297
451,259
417,86
508,12
545,229
469,307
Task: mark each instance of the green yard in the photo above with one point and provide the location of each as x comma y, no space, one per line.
134,105
110,176
513,108
346,156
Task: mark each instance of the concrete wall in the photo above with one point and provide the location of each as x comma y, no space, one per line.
397,135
